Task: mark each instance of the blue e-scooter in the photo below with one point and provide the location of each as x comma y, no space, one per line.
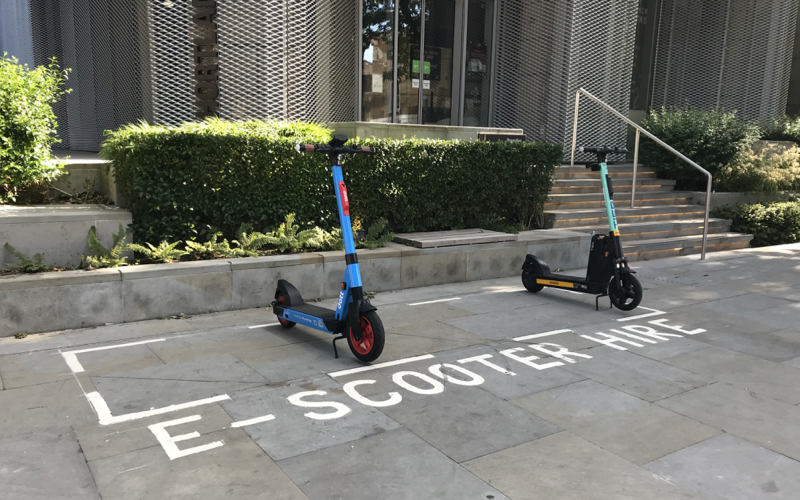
608,273
354,318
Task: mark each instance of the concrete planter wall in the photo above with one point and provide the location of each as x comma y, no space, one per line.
79,299
722,199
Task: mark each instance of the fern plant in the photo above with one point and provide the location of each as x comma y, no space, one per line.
27,264
249,242
165,252
107,257
212,249
375,236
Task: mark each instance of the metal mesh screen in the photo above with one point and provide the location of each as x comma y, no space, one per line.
733,54
15,30
547,50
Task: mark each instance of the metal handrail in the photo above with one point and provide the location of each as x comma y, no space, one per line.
636,155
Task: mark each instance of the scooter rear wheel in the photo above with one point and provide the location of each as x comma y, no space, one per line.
372,340
529,278
628,296
284,322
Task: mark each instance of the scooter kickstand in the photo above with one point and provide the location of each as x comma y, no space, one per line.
335,352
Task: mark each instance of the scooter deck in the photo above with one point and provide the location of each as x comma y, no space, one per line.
322,313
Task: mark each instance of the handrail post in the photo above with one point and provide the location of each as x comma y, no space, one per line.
575,127
635,166
705,225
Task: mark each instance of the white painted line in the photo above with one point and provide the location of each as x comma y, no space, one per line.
104,413
263,326
257,420
434,301
539,335
655,312
72,360
562,290
380,365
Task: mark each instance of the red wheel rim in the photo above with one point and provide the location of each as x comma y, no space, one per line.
282,300
363,346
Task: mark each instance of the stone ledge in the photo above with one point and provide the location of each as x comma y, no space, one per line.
77,299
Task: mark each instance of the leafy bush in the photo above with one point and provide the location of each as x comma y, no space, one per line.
193,180
107,257
713,139
786,128
376,236
773,168
212,249
27,124
27,264
769,223
249,242
164,252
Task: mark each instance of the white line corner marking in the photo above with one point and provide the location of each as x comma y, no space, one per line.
263,326
380,365
655,312
72,359
539,335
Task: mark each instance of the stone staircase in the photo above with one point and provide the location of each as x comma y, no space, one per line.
665,222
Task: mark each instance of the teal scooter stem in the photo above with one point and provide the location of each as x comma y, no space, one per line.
608,273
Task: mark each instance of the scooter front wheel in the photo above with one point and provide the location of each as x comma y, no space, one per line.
627,295
373,338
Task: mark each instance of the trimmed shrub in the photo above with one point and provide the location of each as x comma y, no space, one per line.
27,124
769,223
196,179
786,128
713,139
768,170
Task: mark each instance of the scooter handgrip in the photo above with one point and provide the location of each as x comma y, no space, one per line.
305,148
365,150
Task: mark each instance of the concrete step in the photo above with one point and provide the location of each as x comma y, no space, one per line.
619,184
614,167
685,245
617,189
591,217
588,174
596,200
660,229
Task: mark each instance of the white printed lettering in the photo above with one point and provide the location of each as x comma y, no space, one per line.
560,352
475,379
610,340
482,360
649,332
663,322
529,360
350,389
297,400
436,386
168,442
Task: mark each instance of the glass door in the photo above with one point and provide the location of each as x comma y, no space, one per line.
409,34
437,55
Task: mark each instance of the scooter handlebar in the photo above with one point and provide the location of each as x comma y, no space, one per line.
328,149
602,150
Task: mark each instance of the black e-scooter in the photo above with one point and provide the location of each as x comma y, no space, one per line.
608,273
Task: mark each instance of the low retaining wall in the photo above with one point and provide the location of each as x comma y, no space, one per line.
77,299
60,232
722,199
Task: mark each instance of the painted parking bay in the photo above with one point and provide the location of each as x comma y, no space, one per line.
483,391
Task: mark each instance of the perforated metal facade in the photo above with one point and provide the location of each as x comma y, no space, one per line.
547,50
732,54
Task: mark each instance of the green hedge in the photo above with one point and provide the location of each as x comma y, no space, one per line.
195,179
786,128
769,223
713,139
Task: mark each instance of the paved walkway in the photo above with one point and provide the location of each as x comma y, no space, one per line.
487,392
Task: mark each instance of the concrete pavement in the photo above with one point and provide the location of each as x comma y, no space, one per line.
484,391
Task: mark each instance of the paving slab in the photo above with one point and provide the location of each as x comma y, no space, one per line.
566,467
627,426
642,377
33,343
45,464
240,470
398,315
731,468
762,420
126,331
302,360
395,464
291,433
763,377
39,407
795,363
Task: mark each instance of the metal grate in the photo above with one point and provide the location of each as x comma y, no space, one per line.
547,50
733,54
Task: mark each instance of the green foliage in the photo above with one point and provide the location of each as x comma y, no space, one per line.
376,236
288,237
27,264
212,249
165,252
106,257
429,185
786,128
772,168
27,124
711,138
249,242
769,223
20,335
191,181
